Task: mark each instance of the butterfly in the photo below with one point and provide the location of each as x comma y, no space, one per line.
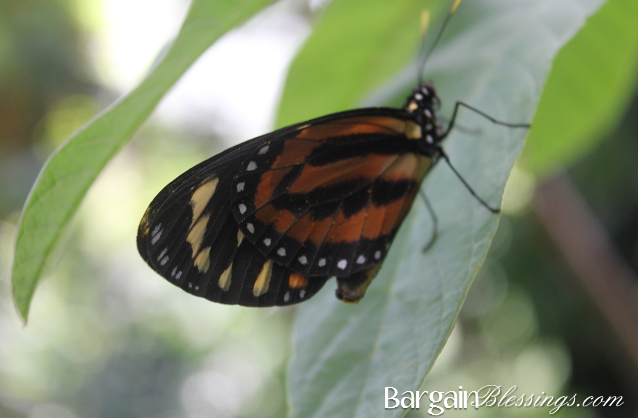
269,221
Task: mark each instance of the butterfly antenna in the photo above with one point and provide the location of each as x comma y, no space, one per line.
425,20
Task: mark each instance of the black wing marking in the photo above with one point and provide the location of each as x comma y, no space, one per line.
189,236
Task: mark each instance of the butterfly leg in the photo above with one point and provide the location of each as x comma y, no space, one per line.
457,105
461,128
465,183
442,153
435,222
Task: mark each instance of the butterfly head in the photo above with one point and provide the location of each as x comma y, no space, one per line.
422,105
425,95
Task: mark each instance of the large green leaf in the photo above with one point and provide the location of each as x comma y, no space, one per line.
593,79
496,56
71,170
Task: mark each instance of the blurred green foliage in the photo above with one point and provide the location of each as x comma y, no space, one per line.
74,166
593,79
108,338
372,47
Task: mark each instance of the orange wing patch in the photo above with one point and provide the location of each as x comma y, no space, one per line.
402,168
269,180
315,231
356,125
407,167
347,229
281,220
369,167
304,227
297,281
295,151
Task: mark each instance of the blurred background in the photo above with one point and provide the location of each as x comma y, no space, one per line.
553,309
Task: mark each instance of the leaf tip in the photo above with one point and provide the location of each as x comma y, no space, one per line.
21,299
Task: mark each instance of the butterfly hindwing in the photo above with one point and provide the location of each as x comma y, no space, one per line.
328,197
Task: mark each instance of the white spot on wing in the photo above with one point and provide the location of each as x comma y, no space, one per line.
174,271
250,227
342,264
302,293
251,166
242,208
267,242
361,259
164,261
162,254
303,260
281,251
263,150
322,262
178,275
377,254
156,234
240,187
286,296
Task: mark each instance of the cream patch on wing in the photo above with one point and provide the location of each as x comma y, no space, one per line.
201,197
196,234
224,279
202,261
263,280
412,130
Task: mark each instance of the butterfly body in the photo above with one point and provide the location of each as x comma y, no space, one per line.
269,221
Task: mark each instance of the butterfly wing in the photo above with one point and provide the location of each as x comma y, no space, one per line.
327,198
190,237
269,221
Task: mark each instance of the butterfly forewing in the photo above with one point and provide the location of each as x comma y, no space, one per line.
190,237
328,198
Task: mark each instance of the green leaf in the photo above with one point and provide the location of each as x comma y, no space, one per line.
592,81
346,56
71,170
495,56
